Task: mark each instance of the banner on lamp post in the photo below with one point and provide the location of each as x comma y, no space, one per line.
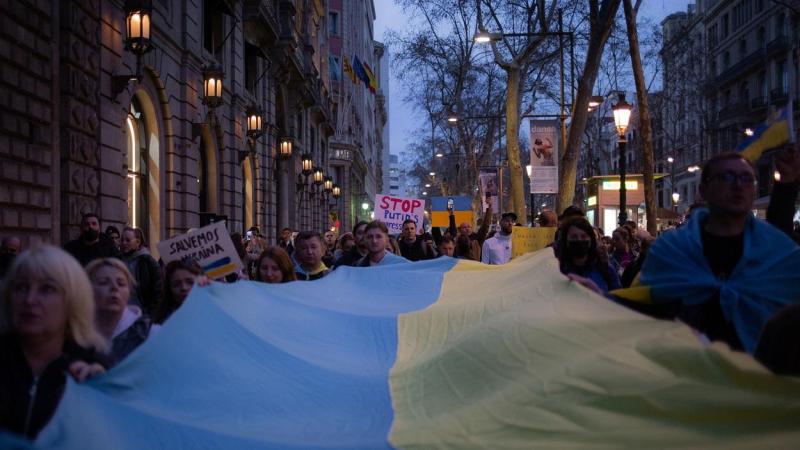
544,156
489,189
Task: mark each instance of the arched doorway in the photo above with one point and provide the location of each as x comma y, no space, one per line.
142,161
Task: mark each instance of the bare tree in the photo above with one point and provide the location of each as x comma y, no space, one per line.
601,20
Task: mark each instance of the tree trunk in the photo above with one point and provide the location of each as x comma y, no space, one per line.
645,130
569,160
517,195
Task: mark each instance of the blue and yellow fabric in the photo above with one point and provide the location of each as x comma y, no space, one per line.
432,354
776,131
462,210
764,281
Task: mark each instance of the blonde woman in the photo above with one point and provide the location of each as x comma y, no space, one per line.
46,331
125,325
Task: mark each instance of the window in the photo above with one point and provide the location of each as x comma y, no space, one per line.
782,77
251,55
712,36
213,26
780,25
726,59
744,92
742,48
333,23
724,26
762,85
136,161
761,38
335,68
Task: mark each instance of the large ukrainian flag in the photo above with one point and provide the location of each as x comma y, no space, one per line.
434,354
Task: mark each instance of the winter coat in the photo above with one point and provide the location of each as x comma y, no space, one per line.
85,253
26,402
147,273
132,330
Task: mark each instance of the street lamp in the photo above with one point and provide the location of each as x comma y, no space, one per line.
433,174
675,197
255,120
285,148
319,176
622,115
327,184
670,159
337,191
137,40
212,86
307,164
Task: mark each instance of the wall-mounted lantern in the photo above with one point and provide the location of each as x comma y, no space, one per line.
337,191
138,14
212,86
285,148
319,176
307,164
327,185
255,122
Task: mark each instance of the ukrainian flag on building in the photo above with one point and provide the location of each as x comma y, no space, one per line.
434,354
776,131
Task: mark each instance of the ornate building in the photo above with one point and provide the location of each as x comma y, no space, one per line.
167,115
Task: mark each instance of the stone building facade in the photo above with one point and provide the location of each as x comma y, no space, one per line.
728,64
76,137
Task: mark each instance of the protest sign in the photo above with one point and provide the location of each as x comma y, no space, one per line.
393,211
544,156
526,239
462,210
489,190
210,246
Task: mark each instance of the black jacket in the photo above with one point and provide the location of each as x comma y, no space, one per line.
416,251
104,248
27,404
147,272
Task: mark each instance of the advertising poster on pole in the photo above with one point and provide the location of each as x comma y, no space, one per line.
211,247
544,156
489,189
393,211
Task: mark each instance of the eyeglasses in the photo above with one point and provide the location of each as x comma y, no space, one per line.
730,178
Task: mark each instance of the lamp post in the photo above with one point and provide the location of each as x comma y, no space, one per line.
137,40
622,115
675,197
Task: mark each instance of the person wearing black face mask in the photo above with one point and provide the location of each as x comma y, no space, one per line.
579,259
91,244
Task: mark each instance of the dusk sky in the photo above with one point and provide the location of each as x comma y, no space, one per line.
401,117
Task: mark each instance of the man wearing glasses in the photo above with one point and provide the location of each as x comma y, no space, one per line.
725,273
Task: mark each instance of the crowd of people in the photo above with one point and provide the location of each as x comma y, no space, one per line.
80,310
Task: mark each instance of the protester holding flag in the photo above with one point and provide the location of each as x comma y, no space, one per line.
179,279
377,239
580,256
725,272
123,324
412,248
47,319
274,266
309,250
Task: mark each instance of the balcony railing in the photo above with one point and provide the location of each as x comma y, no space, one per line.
750,61
778,45
758,102
778,94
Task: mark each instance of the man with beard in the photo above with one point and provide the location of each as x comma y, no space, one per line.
91,244
497,249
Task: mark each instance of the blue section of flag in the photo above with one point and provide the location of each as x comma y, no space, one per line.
218,263
258,366
461,203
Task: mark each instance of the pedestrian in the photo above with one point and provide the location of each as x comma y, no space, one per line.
46,333
91,244
285,241
447,247
411,248
125,325
343,245
469,244
581,259
330,248
146,291
112,233
358,251
377,239
547,218
179,278
621,254
497,249
309,249
274,266
11,245
725,272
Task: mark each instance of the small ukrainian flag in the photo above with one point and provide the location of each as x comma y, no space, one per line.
777,130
